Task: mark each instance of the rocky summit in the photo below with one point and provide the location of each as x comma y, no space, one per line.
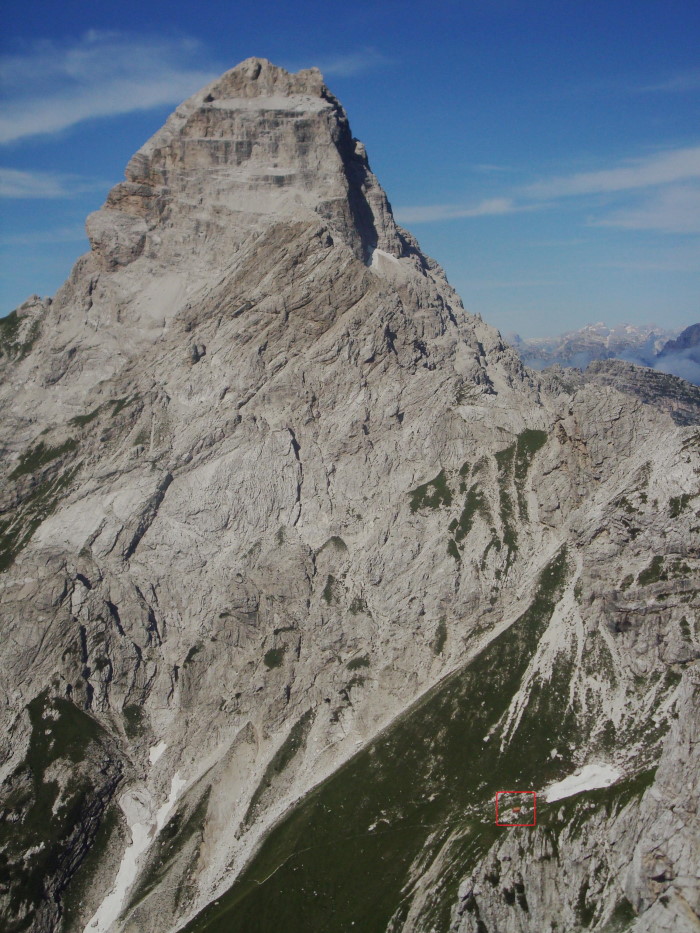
304,574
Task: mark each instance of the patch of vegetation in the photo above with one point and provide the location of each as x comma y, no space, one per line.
357,681
678,569
625,505
142,438
606,741
422,790
474,504
11,344
440,637
357,606
627,581
453,550
464,472
81,885
432,495
512,465
328,593
678,504
9,329
357,663
41,815
528,443
685,629
37,457
510,535
119,404
81,420
654,573
505,461
283,757
494,543
170,843
621,918
584,910
134,718
42,500
274,657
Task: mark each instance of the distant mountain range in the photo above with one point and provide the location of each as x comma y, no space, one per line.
646,345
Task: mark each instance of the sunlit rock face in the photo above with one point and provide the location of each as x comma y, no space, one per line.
277,511
255,146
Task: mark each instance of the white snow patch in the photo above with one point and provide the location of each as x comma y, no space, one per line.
144,826
378,255
156,751
137,812
590,777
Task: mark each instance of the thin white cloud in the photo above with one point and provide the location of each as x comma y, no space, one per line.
488,167
354,63
60,235
680,83
518,283
49,86
15,183
430,212
675,209
659,169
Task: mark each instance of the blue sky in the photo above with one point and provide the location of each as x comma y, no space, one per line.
547,154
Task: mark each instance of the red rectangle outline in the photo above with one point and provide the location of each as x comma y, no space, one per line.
534,814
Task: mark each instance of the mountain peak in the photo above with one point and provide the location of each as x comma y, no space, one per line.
258,77
294,549
256,145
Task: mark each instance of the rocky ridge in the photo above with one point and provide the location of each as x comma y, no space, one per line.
282,523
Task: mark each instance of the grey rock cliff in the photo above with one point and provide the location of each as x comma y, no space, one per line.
267,486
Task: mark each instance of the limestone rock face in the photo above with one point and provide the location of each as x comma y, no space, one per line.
276,509
255,146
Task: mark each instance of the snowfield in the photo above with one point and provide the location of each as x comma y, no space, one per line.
590,777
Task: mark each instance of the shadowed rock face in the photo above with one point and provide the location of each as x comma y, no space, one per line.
277,512
686,340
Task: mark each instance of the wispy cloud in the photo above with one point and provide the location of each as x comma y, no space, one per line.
680,83
50,86
675,209
431,212
354,63
60,235
489,167
517,283
654,257
663,188
658,169
18,184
